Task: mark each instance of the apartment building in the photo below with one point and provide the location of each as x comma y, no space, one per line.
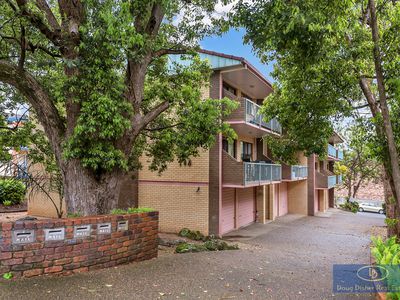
237,183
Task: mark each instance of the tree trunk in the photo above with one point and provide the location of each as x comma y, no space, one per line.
387,124
87,194
349,189
391,208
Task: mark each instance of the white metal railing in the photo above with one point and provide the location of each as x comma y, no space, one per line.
340,154
298,172
332,180
261,173
331,151
254,116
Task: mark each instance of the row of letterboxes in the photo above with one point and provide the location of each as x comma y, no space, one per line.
25,236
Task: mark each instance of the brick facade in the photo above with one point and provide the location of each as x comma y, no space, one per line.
369,191
73,255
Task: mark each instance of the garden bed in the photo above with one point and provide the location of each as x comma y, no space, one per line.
14,208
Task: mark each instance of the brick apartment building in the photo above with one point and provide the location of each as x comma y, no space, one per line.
235,183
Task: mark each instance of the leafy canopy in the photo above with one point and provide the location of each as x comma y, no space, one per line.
116,93
321,51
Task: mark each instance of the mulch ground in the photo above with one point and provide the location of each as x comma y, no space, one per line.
14,208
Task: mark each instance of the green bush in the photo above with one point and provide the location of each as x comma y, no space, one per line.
12,190
350,206
387,253
7,203
193,235
131,210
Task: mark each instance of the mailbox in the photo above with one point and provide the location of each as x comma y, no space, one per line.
23,236
104,228
56,234
82,231
122,225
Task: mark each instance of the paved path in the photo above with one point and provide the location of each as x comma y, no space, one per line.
288,259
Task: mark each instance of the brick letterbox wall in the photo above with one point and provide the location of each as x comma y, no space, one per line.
26,252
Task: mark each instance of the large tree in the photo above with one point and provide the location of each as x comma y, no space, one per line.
98,79
331,57
362,165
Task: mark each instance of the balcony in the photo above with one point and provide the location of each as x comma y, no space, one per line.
339,179
340,154
325,181
294,172
246,174
249,114
334,154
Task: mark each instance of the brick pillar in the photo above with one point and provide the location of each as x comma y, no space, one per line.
215,165
332,197
311,184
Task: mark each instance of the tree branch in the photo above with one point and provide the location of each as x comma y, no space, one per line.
51,19
39,99
162,52
154,113
36,21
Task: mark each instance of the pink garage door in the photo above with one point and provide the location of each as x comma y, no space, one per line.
246,209
228,210
283,204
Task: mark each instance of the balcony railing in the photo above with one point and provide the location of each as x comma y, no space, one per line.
331,151
254,116
332,180
340,154
299,172
339,179
250,113
258,173
326,181
294,172
335,153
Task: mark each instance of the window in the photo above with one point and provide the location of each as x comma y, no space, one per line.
229,147
229,88
247,151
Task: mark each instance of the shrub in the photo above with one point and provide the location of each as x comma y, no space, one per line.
12,190
7,203
193,235
387,253
130,210
350,206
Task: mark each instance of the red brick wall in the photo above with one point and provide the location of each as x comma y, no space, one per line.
83,254
369,191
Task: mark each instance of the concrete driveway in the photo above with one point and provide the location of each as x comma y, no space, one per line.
288,259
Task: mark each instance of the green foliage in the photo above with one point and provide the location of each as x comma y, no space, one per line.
387,253
340,169
74,215
391,222
108,82
350,206
8,275
12,190
131,210
320,50
210,245
7,203
190,234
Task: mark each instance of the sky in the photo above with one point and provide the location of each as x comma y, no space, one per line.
232,43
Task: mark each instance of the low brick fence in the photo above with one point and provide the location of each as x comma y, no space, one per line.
67,246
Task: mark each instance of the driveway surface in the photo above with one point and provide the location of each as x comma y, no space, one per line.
290,258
